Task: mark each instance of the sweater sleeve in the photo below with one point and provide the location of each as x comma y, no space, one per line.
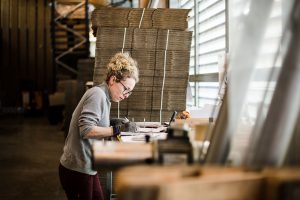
92,110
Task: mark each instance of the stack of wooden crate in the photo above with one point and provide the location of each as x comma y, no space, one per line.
162,50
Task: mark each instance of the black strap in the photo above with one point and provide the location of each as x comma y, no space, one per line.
116,130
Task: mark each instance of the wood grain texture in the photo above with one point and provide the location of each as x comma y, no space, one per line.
31,20
26,59
5,48
23,56
49,71
187,182
14,52
40,44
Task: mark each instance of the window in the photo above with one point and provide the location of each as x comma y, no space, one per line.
207,20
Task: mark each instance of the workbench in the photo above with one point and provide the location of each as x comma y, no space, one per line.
110,156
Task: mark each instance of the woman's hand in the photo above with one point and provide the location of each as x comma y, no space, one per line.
122,125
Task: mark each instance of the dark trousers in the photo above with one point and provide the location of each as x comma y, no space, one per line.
80,186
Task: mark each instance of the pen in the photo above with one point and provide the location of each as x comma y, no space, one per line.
172,118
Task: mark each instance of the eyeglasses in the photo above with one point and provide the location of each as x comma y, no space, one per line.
126,90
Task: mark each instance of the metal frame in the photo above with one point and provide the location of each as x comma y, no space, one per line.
56,22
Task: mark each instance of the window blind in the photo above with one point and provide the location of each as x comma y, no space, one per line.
208,21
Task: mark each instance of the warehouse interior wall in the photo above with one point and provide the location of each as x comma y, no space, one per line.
26,54
26,60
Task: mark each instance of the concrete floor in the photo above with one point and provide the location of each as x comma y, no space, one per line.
29,156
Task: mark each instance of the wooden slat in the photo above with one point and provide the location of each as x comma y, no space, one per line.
23,58
49,72
31,19
186,182
1,42
14,53
0,19
40,44
5,46
25,47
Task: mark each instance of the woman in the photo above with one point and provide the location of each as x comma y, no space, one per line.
90,120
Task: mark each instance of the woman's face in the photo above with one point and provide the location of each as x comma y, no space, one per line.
120,90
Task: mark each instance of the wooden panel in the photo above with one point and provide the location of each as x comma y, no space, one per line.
281,183
25,49
49,72
182,182
0,19
40,44
14,52
5,48
163,4
143,3
1,72
31,19
23,58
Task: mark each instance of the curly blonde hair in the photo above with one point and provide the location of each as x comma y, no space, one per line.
122,66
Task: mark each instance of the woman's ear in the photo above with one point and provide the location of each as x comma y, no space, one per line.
111,80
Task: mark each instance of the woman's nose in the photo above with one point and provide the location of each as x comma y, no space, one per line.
125,95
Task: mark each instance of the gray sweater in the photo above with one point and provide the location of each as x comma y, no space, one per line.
92,110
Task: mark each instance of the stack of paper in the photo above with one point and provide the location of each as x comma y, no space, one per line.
162,56
176,40
110,17
162,18
140,18
170,18
112,38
